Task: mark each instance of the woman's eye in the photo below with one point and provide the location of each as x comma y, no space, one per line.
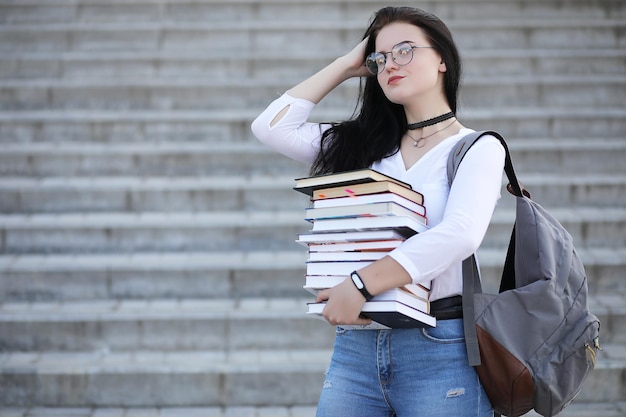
403,51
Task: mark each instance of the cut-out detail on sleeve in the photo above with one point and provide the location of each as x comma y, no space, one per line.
280,115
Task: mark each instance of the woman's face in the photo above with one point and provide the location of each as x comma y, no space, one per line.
421,78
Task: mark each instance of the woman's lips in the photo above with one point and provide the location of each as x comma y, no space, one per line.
394,79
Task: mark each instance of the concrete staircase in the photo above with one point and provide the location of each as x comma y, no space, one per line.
147,262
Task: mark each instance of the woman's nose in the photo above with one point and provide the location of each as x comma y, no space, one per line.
390,65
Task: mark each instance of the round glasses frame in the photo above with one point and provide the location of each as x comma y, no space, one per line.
401,54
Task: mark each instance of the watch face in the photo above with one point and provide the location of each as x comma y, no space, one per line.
357,281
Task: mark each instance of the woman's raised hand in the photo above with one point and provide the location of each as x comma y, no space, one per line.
355,61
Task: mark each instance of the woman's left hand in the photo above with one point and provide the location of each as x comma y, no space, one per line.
343,304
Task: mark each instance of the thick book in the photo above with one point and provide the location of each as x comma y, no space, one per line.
308,185
392,314
352,236
362,210
370,199
403,224
405,297
368,245
314,283
346,256
371,188
421,290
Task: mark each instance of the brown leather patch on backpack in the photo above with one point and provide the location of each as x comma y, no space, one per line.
506,380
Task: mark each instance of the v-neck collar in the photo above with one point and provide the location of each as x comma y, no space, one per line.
464,131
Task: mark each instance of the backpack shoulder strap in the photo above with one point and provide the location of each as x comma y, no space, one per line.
464,144
458,152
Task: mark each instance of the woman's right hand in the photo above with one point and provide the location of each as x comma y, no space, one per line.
355,61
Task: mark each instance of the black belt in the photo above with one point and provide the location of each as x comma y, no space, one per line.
447,308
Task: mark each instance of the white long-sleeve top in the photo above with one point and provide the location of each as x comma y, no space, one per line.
457,217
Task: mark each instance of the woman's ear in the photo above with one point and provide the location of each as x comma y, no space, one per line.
442,66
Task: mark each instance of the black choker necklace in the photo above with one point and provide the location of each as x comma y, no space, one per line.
430,122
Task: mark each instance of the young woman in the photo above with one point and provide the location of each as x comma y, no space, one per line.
405,128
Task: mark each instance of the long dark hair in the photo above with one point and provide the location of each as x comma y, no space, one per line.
376,130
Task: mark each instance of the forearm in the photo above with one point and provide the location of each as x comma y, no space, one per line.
384,275
316,87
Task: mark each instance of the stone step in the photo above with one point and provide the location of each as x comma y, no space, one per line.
271,34
184,325
161,194
257,192
119,127
216,411
210,275
234,124
165,325
206,378
143,93
333,10
199,378
150,232
574,409
140,276
72,159
261,65
227,231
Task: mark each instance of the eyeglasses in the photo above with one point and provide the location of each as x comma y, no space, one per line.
401,54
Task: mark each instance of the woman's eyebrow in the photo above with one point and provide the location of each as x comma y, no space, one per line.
407,41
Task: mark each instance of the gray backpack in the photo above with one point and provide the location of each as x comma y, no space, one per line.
533,344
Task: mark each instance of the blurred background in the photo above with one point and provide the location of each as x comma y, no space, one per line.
147,256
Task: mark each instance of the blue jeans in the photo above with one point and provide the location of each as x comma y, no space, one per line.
403,373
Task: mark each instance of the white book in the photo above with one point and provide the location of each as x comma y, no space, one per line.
388,313
314,283
400,223
371,245
346,256
334,268
369,199
362,210
353,236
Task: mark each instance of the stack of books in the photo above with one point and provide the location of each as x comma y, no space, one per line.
357,218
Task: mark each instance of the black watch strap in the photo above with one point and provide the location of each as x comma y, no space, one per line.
360,285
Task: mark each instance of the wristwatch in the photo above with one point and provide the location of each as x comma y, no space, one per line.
358,283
